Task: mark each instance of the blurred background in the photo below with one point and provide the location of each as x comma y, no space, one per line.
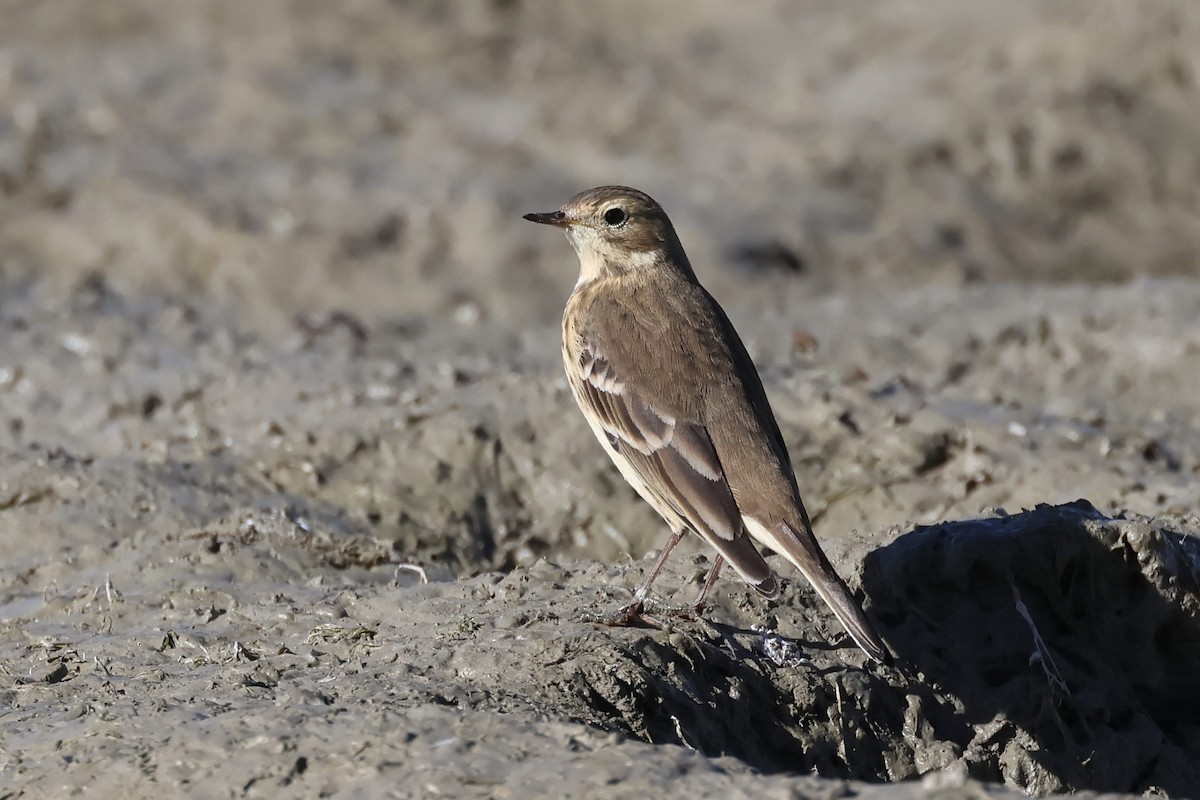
958,237
377,155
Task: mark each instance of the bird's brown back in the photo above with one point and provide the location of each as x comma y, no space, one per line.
645,318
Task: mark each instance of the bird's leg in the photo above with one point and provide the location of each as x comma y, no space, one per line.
642,602
692,610
702,600
633,610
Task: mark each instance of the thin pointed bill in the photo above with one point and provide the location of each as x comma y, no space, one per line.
556,218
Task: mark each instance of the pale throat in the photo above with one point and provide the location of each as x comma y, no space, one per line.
592,264
600,262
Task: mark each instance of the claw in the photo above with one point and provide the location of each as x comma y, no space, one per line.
619,618
645,610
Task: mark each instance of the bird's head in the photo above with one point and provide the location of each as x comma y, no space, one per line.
614,230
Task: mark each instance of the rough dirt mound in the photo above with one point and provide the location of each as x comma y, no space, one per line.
1048,649
1065,643
1051,650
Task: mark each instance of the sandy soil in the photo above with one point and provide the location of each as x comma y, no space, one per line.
294,499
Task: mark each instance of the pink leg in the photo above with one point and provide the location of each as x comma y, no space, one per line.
659,563
700,602
633,610
642,603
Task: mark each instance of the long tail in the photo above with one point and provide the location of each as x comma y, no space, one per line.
802,550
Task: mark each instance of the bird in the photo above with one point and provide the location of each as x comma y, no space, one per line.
672,395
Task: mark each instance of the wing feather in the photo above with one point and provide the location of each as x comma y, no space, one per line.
675,460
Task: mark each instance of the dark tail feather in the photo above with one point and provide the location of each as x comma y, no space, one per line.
835,593
803,551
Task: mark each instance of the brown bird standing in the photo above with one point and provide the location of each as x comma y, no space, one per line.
671,393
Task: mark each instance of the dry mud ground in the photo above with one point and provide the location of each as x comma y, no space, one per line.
293,498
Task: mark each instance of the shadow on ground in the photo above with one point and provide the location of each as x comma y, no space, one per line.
1052,650
1067,642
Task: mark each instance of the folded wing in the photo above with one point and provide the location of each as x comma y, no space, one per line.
675,460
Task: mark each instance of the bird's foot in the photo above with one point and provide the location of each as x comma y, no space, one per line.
691,611
645,610
623,616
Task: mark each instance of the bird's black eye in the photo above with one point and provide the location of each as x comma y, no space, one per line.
614,216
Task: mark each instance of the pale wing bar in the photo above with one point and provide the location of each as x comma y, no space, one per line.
676,462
